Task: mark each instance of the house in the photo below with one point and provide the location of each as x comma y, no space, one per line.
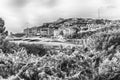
56,32
28,31
40,31
34,31
43,31
46,31
64,31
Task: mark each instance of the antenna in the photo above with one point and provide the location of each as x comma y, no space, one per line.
99,13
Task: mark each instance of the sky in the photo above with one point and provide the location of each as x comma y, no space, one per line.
20,14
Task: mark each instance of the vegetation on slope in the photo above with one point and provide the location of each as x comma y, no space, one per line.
98,60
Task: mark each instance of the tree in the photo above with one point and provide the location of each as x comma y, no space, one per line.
3,33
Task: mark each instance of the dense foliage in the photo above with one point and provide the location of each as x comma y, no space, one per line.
67,64
36,49
97,59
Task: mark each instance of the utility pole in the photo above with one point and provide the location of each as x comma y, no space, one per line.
99,16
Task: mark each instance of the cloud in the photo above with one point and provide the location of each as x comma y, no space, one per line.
49,3
18,3
18,13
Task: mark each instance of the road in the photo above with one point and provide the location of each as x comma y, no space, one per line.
44,41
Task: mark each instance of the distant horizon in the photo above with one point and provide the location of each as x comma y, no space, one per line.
21,13
63,18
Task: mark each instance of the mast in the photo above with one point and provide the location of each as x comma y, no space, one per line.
99,16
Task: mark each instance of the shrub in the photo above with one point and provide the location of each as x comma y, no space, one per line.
103,41
36,49
9,47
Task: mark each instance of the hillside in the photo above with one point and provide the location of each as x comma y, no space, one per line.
80,27
97,59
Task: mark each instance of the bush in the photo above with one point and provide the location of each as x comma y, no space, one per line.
36,49
75,66
103,41
9,47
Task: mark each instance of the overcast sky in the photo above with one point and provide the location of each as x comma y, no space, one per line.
18,14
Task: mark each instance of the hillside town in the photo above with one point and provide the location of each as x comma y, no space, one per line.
65,32
66,27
